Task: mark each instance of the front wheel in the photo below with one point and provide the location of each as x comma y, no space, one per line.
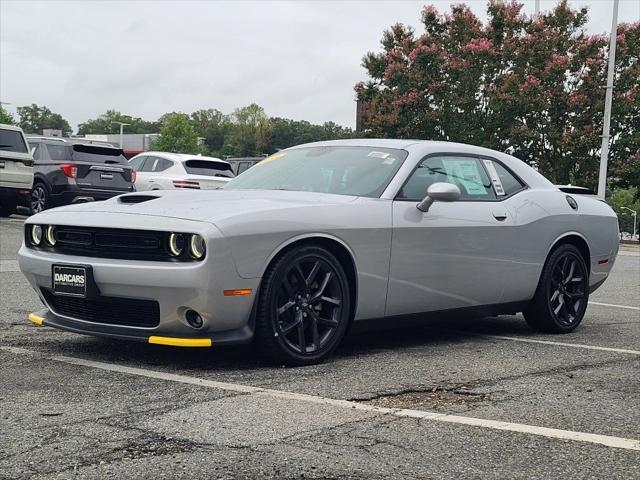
304,307
563,292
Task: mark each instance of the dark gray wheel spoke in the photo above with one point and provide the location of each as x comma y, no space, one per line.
298,272
296,321
322,287
302,341
569,275
314,331
312,275
286,307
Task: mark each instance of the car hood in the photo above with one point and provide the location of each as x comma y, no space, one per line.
206,205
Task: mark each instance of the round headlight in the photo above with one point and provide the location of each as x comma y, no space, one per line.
197,247
176,244
36,234
51,235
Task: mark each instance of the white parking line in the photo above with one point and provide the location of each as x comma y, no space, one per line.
628,307
549,342
606,440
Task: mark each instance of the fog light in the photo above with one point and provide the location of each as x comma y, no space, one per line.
194,319
36,234
197,247
176,244
50,236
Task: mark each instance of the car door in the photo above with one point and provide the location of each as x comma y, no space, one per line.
456,254
157,179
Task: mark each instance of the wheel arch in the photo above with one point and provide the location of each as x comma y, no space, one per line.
577,240
334,245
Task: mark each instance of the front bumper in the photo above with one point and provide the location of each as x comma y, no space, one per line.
176,287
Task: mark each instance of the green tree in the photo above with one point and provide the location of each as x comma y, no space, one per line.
530,86
177,135
250,132
35,119
628,198
213,126
6,117
105,124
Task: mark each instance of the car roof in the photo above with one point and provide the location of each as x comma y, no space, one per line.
6,126
182,157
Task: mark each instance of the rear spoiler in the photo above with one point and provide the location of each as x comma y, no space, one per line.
575,190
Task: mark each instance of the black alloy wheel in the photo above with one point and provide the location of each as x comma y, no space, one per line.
563,292
39,198
304,307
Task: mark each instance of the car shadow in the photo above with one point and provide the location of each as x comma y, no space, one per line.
364,341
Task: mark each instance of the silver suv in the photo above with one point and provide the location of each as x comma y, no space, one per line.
16,169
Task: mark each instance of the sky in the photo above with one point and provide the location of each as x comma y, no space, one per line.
297,59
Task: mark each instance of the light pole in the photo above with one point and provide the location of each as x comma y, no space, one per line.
122,124
604,152
635,217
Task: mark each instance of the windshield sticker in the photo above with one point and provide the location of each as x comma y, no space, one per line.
495,178
378,154
275,156
467,173
389,161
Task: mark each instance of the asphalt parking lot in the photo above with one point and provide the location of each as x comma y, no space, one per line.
466,398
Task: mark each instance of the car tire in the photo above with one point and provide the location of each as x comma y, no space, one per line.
304,307
562,295
39,198
7,209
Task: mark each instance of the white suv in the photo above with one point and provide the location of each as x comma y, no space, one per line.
16,169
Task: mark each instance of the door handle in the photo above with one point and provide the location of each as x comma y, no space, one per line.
501,216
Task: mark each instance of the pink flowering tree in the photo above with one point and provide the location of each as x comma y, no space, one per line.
530,86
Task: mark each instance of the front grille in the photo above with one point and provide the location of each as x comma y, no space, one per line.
111,243
107,310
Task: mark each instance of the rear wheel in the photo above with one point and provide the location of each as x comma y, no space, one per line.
563,292
39,198
304,307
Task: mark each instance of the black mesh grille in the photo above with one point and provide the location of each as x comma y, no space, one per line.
107,310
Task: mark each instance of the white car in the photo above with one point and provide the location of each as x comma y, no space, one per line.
170,171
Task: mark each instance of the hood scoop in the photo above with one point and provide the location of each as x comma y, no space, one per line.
136,198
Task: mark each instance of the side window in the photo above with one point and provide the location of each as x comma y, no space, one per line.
149,164
504,181
35,151
59,152
465,172
136,163
243,166
162,164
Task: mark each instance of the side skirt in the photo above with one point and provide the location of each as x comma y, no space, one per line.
416,319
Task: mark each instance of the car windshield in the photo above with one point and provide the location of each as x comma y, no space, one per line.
343,170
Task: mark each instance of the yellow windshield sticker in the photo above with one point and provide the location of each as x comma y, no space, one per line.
275,156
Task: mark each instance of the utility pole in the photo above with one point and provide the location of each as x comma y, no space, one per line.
537,7
122,124
604,152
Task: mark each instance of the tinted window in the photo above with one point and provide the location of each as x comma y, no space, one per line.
136,163
98,154
465,172
510,184
35,150
361,171
148,164
162,164
59,152
209,168
12,141
242,166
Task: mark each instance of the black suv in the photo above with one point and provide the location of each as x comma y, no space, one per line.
71,171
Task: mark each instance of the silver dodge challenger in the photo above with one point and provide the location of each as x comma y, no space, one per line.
319,237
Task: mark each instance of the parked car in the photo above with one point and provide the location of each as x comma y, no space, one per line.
320,236
71,171
242,164
169,171
16,169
